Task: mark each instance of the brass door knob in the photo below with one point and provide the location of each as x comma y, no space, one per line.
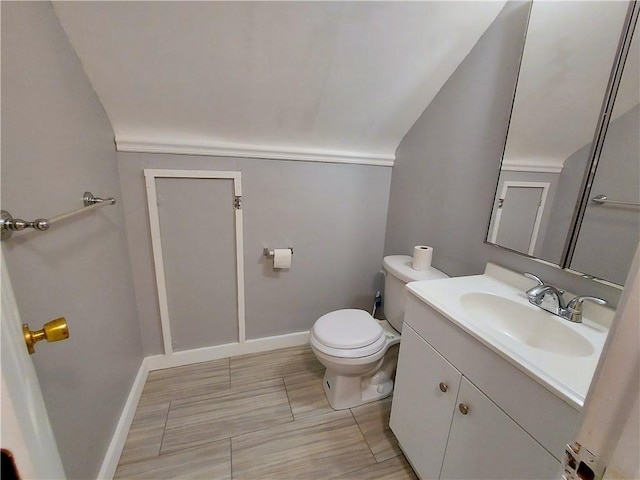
52,331
443,387
464,409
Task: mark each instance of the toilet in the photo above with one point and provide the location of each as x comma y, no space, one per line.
360,352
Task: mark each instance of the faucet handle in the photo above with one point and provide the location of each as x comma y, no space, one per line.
575,306
576,302
533,277
536,290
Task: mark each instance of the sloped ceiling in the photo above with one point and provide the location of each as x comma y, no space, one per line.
318,79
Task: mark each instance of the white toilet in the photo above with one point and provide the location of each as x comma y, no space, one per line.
360,352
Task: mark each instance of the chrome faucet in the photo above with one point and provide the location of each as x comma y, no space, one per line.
550,298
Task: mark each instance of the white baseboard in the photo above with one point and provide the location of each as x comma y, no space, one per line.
177,359
110,462
206,354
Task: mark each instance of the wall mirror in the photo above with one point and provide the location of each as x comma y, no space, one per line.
556,154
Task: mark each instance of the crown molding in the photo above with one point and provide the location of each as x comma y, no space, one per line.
181,147
529,165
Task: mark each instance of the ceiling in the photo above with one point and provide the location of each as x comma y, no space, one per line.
333,80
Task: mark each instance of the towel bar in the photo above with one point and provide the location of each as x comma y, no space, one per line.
8,224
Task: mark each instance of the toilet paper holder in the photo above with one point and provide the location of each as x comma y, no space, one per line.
269,253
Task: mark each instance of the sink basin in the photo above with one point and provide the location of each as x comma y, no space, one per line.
526,324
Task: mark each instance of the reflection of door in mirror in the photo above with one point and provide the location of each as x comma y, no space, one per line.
520,209
610,232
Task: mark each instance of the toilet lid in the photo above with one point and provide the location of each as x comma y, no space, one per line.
347,329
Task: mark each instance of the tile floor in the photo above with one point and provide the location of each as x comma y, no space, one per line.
258,416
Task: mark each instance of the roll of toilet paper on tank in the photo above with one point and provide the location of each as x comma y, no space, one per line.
422,257
282,258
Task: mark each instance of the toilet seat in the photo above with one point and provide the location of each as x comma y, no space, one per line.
348,333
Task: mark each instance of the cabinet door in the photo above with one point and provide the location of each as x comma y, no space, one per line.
486,444
421,412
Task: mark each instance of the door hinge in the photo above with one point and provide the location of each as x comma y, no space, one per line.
237,202
500,202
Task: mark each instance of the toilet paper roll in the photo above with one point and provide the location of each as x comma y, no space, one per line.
422,257
282,258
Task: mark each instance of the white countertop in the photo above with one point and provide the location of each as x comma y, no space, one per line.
566,376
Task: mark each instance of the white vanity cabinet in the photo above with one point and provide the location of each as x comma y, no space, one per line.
448,428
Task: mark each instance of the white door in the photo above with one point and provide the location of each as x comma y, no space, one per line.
423,401
511,453
519,215
26,431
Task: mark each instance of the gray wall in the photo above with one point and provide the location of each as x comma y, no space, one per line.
197,225
447,165
56,143
564,204
609,234
618,176
333,215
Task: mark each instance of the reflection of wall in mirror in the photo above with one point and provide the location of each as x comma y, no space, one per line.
609,234
568,192
566,63
611,230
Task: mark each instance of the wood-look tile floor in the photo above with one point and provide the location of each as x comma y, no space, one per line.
258,416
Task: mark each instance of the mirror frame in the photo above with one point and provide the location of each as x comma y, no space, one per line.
615,77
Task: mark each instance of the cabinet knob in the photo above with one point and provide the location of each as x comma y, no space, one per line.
464,409
443,387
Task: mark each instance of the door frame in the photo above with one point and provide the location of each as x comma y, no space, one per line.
538,221
607,421
156,242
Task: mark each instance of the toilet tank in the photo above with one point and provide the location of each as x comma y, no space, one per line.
398,272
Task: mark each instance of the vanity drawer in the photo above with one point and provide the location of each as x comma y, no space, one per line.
546,417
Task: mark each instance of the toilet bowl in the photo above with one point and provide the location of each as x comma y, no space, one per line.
359,352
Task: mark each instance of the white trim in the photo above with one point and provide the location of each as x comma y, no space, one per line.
532,166
171,173
112,457
240,276
536,226
156,245
237,191
607,409
206,354
543,203
181,147
150,175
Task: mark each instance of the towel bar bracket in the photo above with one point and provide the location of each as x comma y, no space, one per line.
8,225
89,199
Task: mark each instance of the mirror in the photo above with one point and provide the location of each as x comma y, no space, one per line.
566,65
616,221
